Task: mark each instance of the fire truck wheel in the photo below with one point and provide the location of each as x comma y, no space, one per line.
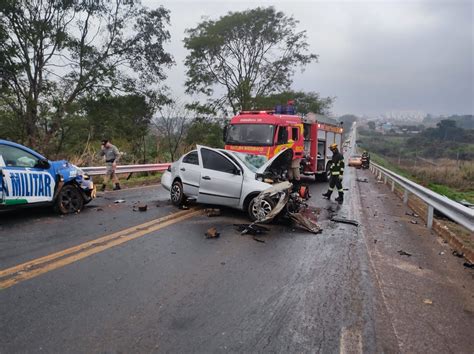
266,205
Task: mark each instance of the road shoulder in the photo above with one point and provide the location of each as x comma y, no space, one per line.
428,294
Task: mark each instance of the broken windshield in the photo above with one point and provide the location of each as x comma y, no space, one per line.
253,162
251,134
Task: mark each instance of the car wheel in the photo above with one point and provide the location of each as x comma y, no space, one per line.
177,193
266,204
69,200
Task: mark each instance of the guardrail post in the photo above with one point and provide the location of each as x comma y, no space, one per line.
384,179
429,220
393,185
405,197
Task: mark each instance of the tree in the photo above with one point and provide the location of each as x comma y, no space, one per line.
249,54
171,122
304,102
371,124
53,53
123,119
205,131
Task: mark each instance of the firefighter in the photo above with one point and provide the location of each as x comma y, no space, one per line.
336,169
365,159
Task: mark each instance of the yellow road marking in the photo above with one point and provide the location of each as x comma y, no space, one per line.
35,267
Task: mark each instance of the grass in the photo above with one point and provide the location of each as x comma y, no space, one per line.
141,179
456,183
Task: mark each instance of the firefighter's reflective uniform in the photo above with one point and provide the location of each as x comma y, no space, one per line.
336,169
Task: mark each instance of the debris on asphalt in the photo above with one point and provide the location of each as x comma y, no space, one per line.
411,214
183,207
305,223
375,241
403,253
212,233
365,180
428,302
140,207
468,265
119,201
258,239
458,254
222,263
442,253
99,209
345,221
210,212
251,229
414,222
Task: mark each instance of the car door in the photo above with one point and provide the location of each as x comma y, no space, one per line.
190,173
23,182
221,179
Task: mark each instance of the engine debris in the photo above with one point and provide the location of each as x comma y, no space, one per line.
290,204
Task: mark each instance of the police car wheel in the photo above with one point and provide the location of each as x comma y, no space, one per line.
69,200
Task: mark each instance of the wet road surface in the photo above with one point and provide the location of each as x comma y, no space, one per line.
173,290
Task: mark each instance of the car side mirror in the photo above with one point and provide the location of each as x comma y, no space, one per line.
237,172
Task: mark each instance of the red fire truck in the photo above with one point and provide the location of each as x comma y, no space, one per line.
268,132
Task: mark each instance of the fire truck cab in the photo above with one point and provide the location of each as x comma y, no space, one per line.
266,133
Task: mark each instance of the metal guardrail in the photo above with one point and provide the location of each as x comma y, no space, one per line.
96,171
453,210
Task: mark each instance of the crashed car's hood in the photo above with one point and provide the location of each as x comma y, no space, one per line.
280,161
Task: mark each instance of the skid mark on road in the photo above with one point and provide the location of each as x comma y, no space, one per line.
31,269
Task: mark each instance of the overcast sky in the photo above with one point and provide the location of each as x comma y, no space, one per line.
374,56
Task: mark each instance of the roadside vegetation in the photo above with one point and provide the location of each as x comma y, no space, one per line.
76,72
440,158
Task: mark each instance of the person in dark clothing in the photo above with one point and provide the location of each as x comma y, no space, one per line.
336,169
365,160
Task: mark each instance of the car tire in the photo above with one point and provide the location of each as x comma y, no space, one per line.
69,200
177,194
268,204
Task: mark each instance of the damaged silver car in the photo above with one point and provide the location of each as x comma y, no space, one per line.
228,178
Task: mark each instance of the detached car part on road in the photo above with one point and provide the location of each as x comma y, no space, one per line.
223,177
29,179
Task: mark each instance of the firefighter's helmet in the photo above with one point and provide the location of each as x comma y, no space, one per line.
333,147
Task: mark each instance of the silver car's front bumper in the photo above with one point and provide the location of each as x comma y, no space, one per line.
166,180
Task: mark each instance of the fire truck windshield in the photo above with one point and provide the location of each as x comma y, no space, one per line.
251,134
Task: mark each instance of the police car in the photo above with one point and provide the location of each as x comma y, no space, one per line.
29,179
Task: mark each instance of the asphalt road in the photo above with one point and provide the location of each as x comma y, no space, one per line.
173,290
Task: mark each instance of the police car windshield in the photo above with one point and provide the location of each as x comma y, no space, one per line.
251,134
253,162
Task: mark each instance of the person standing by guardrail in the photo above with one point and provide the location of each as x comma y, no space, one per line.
336,169
112,156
